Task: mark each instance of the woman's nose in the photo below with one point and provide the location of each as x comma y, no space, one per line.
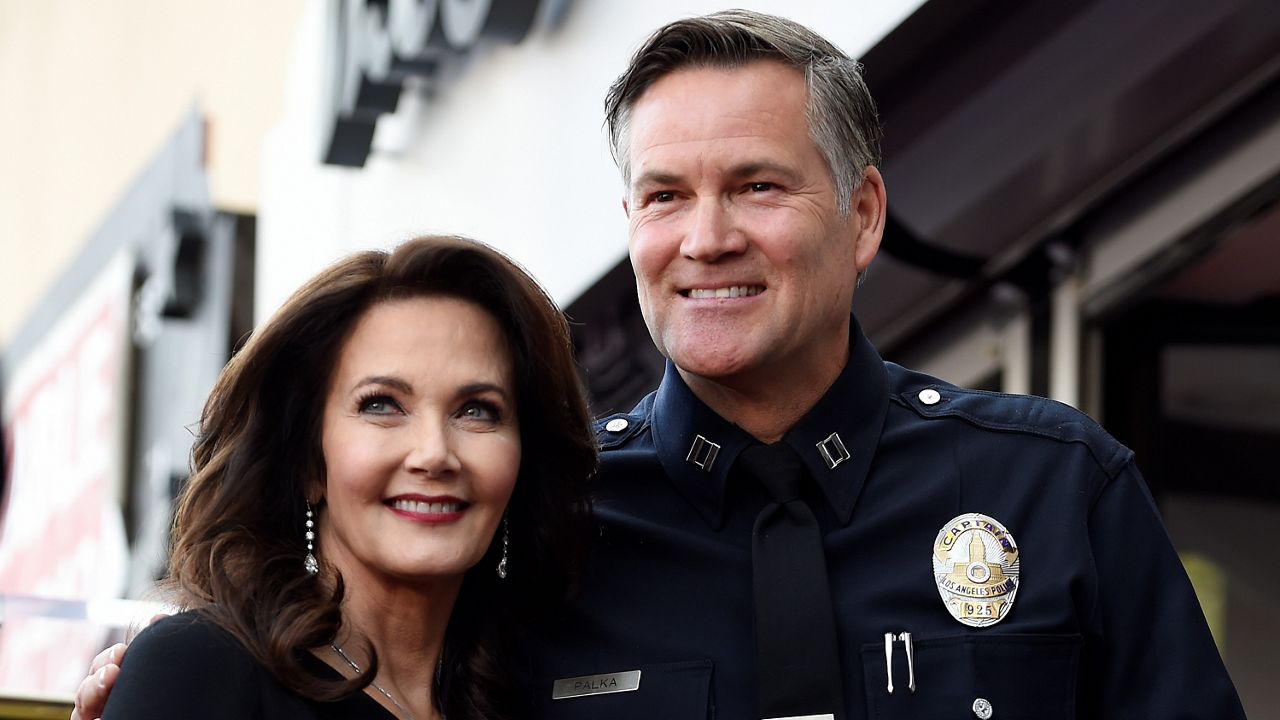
432,450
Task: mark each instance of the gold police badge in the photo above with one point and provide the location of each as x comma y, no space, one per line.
975,566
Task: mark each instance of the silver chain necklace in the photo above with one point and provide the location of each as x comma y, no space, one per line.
403,710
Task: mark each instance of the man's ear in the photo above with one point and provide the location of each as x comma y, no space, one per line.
626,209
869,207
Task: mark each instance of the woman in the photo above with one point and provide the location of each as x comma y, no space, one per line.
390,478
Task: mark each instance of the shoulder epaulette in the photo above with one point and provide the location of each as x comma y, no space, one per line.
1025,414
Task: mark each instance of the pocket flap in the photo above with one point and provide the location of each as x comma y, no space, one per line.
1016,677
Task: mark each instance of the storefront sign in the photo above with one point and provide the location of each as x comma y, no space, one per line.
374,47
61,533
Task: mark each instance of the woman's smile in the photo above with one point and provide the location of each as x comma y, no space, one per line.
431,510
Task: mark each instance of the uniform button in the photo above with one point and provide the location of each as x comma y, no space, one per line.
616,425
982,708
929,396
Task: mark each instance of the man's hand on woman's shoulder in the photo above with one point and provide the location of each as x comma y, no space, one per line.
91,696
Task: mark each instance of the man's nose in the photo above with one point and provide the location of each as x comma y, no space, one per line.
712,232
431,449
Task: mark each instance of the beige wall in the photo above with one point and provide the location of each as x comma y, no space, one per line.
89,91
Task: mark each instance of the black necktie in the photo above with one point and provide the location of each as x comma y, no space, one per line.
797,659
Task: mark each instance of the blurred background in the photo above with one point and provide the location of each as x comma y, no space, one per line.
1083,205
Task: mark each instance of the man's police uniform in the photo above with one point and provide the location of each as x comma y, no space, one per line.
1104,623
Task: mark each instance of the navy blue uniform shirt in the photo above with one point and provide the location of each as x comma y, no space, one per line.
1104,623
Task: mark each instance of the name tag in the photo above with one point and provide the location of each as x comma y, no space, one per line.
595,685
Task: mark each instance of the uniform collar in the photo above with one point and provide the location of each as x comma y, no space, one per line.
853,409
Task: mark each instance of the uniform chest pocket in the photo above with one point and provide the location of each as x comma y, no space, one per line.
1007,677
679,691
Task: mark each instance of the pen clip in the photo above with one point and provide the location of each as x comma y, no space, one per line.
888,659
911,660
889,640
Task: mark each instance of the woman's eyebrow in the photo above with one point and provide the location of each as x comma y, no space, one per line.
483,387
387,380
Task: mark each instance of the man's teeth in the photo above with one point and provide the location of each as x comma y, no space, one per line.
726,292
427,508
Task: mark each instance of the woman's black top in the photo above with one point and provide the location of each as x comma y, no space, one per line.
186,666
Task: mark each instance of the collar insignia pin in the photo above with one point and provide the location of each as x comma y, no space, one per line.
833,451
976,567
702,453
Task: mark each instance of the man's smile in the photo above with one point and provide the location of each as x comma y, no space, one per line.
729,291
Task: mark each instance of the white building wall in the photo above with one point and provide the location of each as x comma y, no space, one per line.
512,151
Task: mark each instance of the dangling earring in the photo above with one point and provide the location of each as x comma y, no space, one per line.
310,563
506,540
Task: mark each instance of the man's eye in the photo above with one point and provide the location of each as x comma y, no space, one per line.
762,186
664,196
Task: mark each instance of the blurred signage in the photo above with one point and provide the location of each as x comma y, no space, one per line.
61,532
376,46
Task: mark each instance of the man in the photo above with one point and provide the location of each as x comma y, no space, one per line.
748,146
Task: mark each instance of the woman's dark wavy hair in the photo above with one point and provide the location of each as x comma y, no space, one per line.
237,549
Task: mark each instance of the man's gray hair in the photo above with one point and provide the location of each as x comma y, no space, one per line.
842,116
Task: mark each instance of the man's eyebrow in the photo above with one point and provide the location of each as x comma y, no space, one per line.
656,177
387,380
758,167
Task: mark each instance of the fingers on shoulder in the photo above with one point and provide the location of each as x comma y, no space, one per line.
91,695
113,655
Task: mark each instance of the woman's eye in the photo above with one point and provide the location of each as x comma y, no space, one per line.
480,411
378,405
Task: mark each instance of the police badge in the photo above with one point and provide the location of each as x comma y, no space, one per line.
975,566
